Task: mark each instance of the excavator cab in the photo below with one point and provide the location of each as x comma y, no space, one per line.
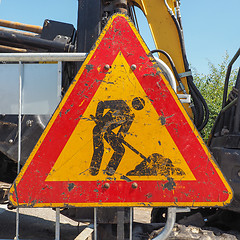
224,139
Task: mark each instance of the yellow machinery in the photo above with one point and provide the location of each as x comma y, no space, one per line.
167,33
164,20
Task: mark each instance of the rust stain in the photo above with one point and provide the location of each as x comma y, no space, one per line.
163,120
67,111
170,185
89,67
148,195
149,74
71,186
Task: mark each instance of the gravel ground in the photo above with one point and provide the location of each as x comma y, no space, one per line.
39,224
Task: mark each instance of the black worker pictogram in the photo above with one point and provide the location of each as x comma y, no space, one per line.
118,114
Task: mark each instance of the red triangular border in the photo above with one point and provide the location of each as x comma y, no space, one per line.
30,188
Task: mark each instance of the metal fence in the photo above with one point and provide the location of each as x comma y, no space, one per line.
25,98
26,75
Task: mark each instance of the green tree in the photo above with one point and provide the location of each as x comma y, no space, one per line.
211,87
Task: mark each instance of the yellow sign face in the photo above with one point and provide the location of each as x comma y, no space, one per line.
145,137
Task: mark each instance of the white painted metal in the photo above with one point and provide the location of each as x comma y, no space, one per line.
131,224
171,219
95,223
20,114
185,74
19,138
42,57
57,228
170,77
59,84
184,98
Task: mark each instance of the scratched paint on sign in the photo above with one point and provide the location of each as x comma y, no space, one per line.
140,127
120,137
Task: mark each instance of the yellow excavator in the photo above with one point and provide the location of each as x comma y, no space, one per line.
164,20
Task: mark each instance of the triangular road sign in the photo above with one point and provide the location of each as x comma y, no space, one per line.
120,137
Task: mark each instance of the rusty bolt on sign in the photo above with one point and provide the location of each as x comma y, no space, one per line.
106,185
134,185
133,67
107,67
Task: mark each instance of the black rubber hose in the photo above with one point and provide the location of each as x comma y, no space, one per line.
186,64
172,65
198,110
202,100
193,89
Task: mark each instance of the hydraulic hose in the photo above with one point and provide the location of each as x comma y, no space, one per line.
201,101
197,110
172,66
186,65
201,112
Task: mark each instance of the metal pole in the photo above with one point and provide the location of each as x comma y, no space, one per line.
88,25
17,224
237,116
59,90
19,137
21,26
20,114
228,76
57,228
20,32
120,223
42,57
171,218
7,49
131,223
95,223
29,42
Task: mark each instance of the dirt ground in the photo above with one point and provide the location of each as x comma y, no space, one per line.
39,224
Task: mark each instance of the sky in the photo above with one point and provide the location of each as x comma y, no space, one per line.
210,26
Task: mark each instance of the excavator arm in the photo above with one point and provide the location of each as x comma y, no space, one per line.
164,21
164,30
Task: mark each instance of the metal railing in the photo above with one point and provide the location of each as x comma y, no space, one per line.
60,57
36,57
42,57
